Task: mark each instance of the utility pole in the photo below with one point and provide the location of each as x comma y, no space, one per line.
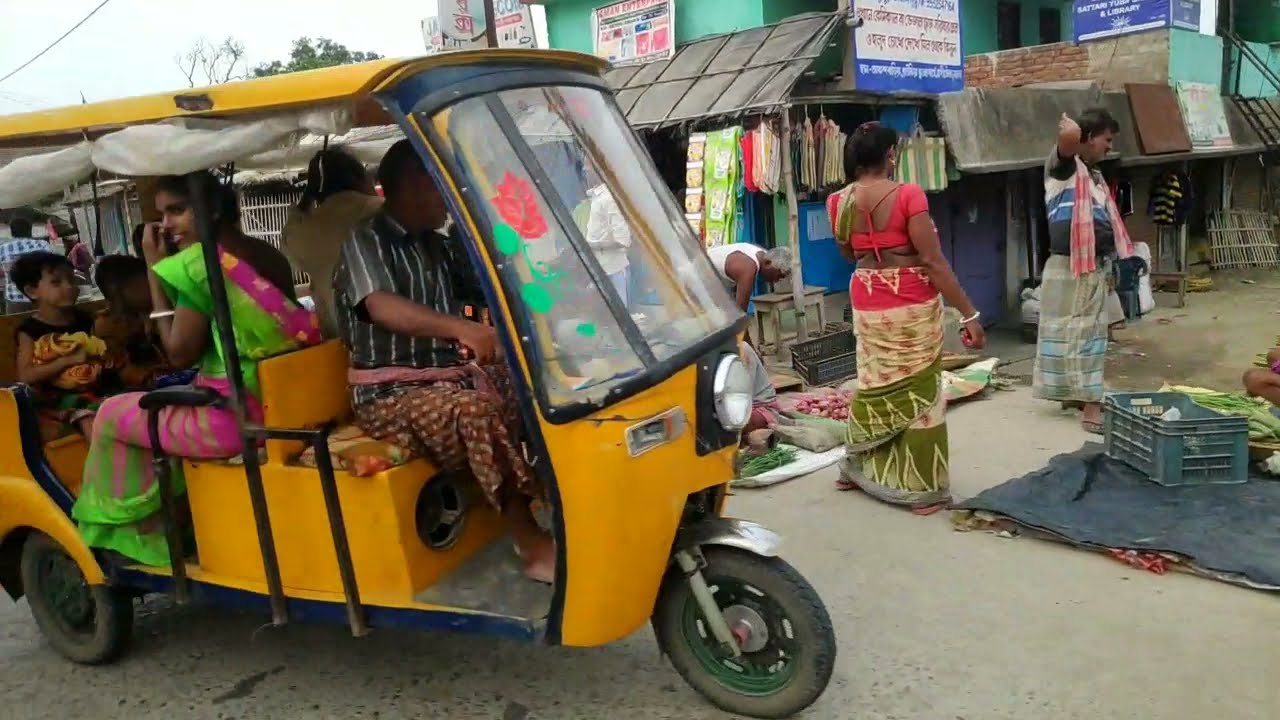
490,25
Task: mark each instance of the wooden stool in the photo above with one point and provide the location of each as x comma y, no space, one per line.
774,304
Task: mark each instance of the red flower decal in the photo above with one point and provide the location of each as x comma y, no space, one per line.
518,206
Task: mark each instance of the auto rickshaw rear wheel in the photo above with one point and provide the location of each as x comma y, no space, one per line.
88,624
782,627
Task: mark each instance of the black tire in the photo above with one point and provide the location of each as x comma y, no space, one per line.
88,624
811,637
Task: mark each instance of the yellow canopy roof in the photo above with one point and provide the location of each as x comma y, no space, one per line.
344,83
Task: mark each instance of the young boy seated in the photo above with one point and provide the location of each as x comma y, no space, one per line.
1265,382
58,356
134,354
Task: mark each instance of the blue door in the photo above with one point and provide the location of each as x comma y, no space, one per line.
970,217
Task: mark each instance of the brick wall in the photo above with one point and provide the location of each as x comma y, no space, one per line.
1142,58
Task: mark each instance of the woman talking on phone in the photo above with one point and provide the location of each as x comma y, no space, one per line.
897,437
119,506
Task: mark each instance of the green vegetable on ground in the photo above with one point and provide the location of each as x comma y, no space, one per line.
771,460
1263,425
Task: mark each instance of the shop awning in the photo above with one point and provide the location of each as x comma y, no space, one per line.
750,71
1005,129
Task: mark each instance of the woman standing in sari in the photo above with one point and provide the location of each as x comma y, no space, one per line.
897,436
119,505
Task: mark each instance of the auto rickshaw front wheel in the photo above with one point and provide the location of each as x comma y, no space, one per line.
87,624
788,647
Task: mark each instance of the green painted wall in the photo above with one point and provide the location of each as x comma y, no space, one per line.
1194,57
778,10
978,23
1258,20
569,21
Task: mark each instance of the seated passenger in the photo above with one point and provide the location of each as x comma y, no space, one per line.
764,397
119,505
133,349
57,353
399,290
339,193
1265,382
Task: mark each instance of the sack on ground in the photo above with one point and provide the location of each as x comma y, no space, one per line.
812,434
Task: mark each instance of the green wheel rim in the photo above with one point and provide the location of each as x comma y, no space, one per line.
757,674
65,593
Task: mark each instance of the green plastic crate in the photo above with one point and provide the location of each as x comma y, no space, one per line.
1202,448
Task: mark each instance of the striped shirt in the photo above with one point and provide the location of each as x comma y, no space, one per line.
11,250
431,270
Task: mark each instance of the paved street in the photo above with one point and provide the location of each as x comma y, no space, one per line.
933,625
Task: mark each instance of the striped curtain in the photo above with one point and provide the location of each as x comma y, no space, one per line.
923,161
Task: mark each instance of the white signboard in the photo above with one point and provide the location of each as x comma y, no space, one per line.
635,31
908,45
460,25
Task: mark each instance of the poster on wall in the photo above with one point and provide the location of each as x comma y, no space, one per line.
1097,19
636,31
460,25
1204,115
908,46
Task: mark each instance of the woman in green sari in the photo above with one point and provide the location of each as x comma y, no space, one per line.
118,508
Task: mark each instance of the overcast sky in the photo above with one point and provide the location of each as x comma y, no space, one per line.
128,48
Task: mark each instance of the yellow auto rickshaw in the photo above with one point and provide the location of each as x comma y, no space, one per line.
633,410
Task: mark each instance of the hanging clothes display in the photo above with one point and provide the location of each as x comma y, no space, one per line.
720,186
1170,198
750,150
922,160
768,157
1122,193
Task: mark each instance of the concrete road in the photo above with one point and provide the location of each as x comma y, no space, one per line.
932,624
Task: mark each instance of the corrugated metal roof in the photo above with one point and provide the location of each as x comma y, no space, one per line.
725,75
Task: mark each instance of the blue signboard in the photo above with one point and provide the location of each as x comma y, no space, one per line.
1185,14
908,46
1097,19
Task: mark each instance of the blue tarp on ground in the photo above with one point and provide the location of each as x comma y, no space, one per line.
1090,499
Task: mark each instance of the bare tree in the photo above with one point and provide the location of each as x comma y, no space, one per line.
207,63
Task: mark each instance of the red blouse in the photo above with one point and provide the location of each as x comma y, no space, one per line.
908,202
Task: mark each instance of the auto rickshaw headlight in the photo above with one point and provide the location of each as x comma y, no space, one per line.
732,392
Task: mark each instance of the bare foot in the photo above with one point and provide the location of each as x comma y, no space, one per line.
539,557
1092,420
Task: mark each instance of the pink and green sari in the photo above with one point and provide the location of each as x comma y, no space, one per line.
118,507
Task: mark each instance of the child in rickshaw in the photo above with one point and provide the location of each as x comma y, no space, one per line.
133,348
58,355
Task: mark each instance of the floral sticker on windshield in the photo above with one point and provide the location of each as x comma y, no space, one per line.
517,205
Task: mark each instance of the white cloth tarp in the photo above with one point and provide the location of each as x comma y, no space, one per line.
30,178
171,147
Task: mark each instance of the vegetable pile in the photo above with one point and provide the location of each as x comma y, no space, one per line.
831,407
1263,425
770,460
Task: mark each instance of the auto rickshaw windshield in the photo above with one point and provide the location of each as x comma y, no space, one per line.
595,256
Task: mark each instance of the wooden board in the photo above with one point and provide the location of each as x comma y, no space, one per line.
1157,116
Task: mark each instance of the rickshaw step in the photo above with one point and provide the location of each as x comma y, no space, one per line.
492,581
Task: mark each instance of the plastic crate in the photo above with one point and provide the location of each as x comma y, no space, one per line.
1201,448
827,359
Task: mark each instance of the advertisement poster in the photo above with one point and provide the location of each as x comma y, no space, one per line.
1096,19
635,31
460,25
1204,115
908,46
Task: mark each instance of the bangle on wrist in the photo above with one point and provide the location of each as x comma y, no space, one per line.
161,314
976,314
